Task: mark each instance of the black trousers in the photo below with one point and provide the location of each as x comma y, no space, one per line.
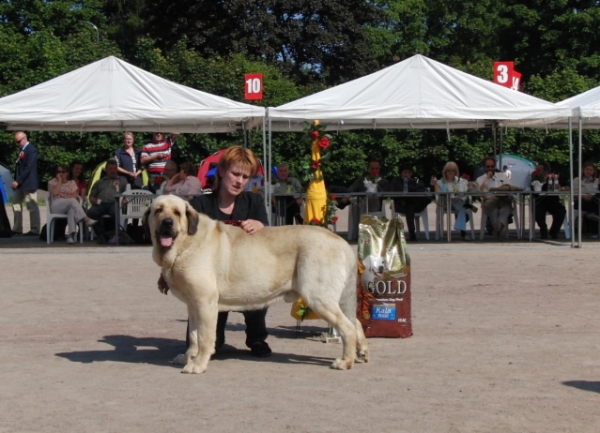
288,206
256,327
554,207
410,206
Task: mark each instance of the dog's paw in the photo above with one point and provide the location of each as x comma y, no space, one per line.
181,359
193,368
341,364
362,356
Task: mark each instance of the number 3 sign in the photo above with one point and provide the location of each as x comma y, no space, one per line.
253,87
505,75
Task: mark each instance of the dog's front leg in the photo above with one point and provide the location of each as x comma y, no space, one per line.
192,351
203,330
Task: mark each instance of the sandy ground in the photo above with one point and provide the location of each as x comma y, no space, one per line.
506,340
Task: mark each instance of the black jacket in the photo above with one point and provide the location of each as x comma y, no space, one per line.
26,170
414,185
248,205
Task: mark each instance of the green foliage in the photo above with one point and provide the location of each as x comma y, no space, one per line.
302,48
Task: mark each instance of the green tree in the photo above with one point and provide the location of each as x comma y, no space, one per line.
308,40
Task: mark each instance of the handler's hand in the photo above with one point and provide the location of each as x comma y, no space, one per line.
252,226
163,287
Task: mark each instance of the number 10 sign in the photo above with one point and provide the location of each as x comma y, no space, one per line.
253,87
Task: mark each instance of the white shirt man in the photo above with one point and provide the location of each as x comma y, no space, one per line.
498,208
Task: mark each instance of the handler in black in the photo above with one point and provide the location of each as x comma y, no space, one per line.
232,204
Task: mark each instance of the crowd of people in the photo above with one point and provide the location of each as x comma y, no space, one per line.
129,168
498,207
152,167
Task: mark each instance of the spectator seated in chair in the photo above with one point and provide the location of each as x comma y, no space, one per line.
102,198
452,182
184,182
65,200
548,204
409,206
288,206
498,208
370,182
589,198
170,170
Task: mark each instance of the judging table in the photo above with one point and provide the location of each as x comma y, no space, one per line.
522,199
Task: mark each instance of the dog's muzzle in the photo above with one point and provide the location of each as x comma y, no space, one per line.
166,233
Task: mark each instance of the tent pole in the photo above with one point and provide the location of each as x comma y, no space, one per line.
267,156
494,125
580,213
572,188
500,150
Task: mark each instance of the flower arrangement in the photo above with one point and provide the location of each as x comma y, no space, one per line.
316,134
329,217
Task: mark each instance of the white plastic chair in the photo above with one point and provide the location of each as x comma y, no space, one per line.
136,207
50,220
440,221
387,211
423,215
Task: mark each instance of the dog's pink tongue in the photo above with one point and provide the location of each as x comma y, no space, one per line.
166,242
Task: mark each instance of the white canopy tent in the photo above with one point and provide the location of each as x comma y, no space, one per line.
112,95
415,93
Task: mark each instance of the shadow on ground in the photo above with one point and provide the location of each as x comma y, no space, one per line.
160,351
584,385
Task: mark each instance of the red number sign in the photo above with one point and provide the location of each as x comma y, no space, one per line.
253,87
505,75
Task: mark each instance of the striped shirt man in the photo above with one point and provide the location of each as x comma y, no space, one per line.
156,154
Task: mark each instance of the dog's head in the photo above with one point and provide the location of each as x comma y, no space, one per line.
375,265
168,218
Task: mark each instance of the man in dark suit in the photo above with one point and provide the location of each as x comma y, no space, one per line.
25,187
409,205
371,182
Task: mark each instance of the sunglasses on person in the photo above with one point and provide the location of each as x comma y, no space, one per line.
490,166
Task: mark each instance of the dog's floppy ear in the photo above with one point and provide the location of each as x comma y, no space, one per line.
192,217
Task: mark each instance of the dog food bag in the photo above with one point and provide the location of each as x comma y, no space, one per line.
383,283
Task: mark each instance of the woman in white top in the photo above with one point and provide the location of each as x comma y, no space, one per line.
64,194
452,182
184,182
589,191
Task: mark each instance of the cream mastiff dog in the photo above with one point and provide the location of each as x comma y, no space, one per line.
213,267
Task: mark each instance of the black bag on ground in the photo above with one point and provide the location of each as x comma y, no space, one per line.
109,238
60,226
138,234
